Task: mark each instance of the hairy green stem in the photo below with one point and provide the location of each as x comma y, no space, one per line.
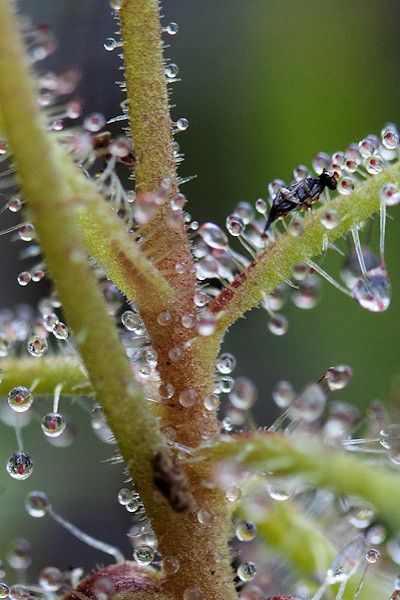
276,265
315,463
37,160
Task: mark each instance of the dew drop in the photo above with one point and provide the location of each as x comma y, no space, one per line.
4,590
278,324
390,139
37,504
170,565
310,404
373,291
37,346
182,124
175,354
234,225
26,232
53,424
20,398
245,212
125,496
192,593
51,579
188,398
330,219
244,394
279,493
389,194
233,493
166,391
283,394
246,531
374,164
246,571
211,402
206,323
143,555
94,122
261,206
367,146
213,236
14,205
130,320
226,363
372,556
149,357
172,28
19,592
60,331
134,504
20,465
116,4
200,299
110,44
171,70
321,161
164,319
338,377
178,202
389,437
351,165
24,278
205,516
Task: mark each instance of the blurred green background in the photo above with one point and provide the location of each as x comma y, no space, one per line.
265,86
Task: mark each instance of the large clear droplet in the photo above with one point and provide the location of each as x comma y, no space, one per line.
20,398
37,504
246,571
20,465
213,236
373,291
37,346
53,424
310,405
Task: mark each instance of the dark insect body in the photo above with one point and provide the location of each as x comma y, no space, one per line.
300,195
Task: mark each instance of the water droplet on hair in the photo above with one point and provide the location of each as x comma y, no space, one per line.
205,516
226,363
367,146
245,212
374,164
134,504
192,593
60,331
338,377
164,319
246,571
233,493
37,504
94,122
172,28
188,398
389,437
20,465
20,398
51,579
150,357
390,138
143,555
37,346
310,404
110,44
321,161
261,206
278,324
373,291
245,531
4,590
175,353
372,556
211,402
170,565
213,236
171,70
182,124
53,424
26,232
178,202
283,394
189,321
166,391
130,320
244,394
389,194
24,278
125,496
234,225
14,205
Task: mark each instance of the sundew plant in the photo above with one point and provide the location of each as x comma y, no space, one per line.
130,330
